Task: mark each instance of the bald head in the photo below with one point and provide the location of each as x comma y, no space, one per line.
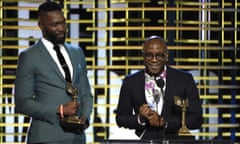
154,40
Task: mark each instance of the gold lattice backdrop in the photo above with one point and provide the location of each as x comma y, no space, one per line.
203,38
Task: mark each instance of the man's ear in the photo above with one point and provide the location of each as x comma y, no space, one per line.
166,56
40,25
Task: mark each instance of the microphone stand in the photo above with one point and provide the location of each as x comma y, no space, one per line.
163,136
156,99
160,84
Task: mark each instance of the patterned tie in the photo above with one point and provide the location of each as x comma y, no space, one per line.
63,63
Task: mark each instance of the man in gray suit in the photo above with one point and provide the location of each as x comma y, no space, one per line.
41,83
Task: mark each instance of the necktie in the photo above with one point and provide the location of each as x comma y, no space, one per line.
63,63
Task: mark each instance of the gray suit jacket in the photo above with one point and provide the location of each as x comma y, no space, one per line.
40,89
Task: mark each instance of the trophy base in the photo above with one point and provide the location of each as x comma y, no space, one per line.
183,131
72,122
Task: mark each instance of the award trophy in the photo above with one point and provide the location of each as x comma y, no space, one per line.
72,121
183,103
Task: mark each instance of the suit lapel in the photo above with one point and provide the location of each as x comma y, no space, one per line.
46,56
142,86
169,83
74,62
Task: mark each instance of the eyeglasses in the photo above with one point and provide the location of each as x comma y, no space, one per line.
149,56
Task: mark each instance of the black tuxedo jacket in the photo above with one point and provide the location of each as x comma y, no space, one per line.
178,83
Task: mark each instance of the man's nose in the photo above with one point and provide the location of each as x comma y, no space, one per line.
154,58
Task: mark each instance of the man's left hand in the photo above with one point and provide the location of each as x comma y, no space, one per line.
84,121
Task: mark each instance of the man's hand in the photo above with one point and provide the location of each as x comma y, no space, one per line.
70,108
148,115
84,121
143,112
154,119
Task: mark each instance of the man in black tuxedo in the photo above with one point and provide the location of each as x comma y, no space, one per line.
146,101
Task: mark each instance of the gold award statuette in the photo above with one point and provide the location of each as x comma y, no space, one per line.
72,121
183,103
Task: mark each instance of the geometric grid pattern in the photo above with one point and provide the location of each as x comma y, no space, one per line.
203,38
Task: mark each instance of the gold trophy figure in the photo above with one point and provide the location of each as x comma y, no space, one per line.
183,103
72,121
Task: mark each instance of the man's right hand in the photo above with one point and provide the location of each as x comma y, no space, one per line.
144,110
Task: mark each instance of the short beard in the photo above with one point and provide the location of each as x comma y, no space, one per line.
51,37
54,40
59,41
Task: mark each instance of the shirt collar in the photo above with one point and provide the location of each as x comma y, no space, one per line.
164,72
48,44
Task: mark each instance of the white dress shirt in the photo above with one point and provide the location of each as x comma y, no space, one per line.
152,90
53,54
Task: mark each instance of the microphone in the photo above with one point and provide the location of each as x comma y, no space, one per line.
160,83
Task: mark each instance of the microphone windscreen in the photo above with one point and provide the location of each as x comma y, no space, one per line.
160,83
